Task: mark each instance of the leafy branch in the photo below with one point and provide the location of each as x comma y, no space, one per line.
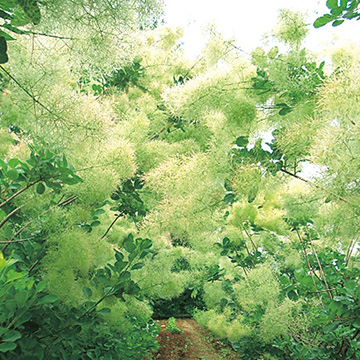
339,12
273,161
119,273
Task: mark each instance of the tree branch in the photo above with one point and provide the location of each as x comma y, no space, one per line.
26,91
64,203
8,216
19,192
316,186
112,224
16,241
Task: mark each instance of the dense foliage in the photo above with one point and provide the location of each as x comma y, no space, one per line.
339,12
132,178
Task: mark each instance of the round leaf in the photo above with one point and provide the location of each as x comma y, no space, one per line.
12,174
242,141
40,188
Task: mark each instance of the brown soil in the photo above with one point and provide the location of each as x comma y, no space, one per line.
194,343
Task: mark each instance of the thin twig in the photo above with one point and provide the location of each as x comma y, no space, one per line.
311,269
250,257
8,216
319,263
27,92
250,238
324,290
350,251
33,265
317,186
67,201
112,224
64,203
51,36
27,32
312,272
19,192
16,241
15,235
158,133
93,307
196,62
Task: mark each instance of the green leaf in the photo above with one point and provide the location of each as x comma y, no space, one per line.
350,285
242,141
226,241
15,29
284,111
194,293
104,311
336,11
356,324
13,163
3,165
119,256
48,299
120,265
252,194
337,22
323,20
5,15
108,290
7,5
11,336
293,295
2,214
40,188
87,291
129,246
13,275
19,18
343,4
284,279
229,198
6,36
95,223
21,298
138,266
40,286
99,211
7,346
3,49
12,175
331,4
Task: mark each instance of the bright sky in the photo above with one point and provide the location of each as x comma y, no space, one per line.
248,20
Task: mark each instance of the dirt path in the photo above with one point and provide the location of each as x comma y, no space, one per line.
194,343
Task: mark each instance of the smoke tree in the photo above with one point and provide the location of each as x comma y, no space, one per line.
131,176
